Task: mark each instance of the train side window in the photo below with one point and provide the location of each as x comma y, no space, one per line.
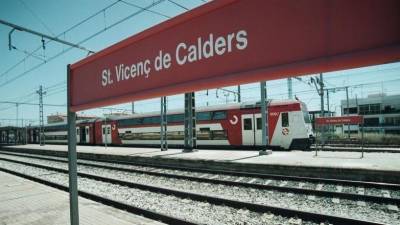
108,130
203,116
259,123
219,115
285,119
204,129
247,124
104,130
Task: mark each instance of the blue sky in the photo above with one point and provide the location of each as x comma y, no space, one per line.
18,81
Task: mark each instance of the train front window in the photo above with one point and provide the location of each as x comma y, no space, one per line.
306,117
247,124
285,119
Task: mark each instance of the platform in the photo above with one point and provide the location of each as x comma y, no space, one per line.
26,202
382,167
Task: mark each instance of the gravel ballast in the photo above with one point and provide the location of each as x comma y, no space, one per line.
346,208
200,212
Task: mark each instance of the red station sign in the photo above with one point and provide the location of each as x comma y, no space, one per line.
230,42
339,120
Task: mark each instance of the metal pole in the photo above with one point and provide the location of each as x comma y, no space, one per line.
290,88
362,140
16,104
72,158
190,122
133,107
327,102
105,132
41,119
163,120
239,94
348,112
263,116
321,84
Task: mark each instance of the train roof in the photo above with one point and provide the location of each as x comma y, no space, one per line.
284,102
179,111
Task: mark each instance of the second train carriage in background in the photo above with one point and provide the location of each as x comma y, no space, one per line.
231,125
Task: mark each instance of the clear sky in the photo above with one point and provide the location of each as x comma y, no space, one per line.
21,72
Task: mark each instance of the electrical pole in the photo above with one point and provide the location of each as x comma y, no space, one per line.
290,88
264,118
327,102
163,120
41,120
239,94
319,86
17,105
348,111
133,107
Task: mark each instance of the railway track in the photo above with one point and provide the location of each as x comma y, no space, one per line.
263,182
249,184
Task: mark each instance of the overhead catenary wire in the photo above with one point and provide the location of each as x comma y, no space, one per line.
36,16
179,5
82,41
56,39
59,35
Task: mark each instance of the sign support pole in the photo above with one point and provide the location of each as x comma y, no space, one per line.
72,158
321,84
163,132
190,122
264,121
362,140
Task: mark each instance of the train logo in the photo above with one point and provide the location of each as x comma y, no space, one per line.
235,120
274,114
285,131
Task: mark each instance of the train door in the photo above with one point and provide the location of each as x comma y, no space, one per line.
82,135
106,133
247,129
37,136
78,139
258,129
286,130
87,134
251,129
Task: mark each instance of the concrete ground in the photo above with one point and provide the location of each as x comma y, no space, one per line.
326,159
26,202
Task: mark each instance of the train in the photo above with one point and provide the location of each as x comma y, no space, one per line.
236,125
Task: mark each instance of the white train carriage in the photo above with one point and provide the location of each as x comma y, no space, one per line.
233,125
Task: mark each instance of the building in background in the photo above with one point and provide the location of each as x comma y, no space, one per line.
381,113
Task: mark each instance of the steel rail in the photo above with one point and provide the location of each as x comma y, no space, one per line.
106,201
321,193
261,208
378,185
